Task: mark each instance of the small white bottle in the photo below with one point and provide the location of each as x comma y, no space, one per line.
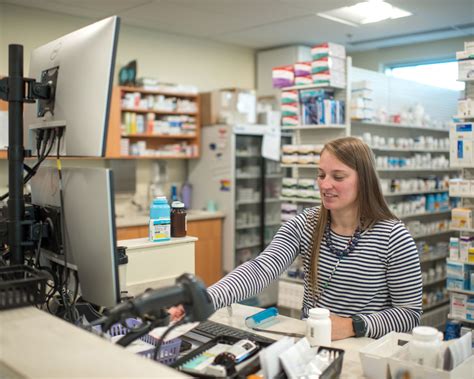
425,347
318,327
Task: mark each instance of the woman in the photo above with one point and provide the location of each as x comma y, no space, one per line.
360,262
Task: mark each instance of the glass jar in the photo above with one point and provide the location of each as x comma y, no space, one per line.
178,219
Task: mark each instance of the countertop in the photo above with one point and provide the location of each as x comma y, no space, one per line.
139,219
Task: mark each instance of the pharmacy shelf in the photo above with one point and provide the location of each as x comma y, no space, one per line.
393,194
469,196
431,234
247,155
273,176
410,150
160,112
462,230
314,127
450,316
405,169
432,257
435,305
299,165
425,214
249,226
466,292
160,136
459,117
300,200
436,281
247,176
248,202
310,86
399,126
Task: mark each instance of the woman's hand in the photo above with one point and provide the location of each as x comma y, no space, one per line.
341,327
176,313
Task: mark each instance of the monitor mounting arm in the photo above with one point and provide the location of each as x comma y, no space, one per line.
17,90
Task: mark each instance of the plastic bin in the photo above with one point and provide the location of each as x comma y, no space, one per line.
21,285
399,364
169,350
374,356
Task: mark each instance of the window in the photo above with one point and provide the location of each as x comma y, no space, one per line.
440,74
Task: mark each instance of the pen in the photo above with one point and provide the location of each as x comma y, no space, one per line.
297,335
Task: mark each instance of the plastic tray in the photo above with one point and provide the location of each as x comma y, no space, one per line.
374,356
21,285
249,366
400,364
169,350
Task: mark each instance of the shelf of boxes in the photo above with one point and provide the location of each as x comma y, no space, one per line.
156,124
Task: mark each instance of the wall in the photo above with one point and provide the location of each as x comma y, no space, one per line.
170,58
375,59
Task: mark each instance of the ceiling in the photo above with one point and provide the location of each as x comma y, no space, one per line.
262,24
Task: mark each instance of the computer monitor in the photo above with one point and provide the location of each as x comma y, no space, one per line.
80,65
89,227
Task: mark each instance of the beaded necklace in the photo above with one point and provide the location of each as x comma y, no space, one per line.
339,253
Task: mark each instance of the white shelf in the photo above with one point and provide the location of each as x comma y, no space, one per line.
245,202
400,126
460,319
469,196
435,305
462,230
464,117
431,282
392,194
274,200
431,234
425,214
315,127
247,155
433,258
247,246
273,176
405,150
299,165
247,176
249,226
300,200
417,169
466,292
310,86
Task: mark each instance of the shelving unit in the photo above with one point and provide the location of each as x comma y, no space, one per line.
159,137
460,298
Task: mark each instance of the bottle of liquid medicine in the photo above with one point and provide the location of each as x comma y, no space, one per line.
160,221
318,327
425,347
178,219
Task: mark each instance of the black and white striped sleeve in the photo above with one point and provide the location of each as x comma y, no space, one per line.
253,276
404,286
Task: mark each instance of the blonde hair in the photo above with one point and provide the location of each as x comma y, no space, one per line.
371,204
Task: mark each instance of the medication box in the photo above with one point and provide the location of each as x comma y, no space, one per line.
461,218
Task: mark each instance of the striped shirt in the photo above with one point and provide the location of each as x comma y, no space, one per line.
380,280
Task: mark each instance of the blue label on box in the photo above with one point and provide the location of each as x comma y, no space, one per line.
464,127
460,149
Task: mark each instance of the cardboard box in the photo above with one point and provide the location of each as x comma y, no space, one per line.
228,106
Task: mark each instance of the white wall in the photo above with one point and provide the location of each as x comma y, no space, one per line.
170,58
375,59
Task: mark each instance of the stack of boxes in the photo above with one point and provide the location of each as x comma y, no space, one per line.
328,68
461,276
329,64
362,101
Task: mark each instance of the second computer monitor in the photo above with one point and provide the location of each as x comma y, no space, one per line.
89,226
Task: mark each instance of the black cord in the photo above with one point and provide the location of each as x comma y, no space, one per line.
160,341
44,155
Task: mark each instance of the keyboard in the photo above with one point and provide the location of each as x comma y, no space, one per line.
210,329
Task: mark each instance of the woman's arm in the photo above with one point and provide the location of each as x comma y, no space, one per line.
404,285
253,276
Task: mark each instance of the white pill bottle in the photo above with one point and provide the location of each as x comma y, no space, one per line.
318,327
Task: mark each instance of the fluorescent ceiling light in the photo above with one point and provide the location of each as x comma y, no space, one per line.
365,13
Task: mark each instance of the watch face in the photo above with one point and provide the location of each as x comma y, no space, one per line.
359,326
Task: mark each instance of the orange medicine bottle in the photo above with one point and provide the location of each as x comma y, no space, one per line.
178,219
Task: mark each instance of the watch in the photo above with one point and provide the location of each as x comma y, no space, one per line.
359,325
